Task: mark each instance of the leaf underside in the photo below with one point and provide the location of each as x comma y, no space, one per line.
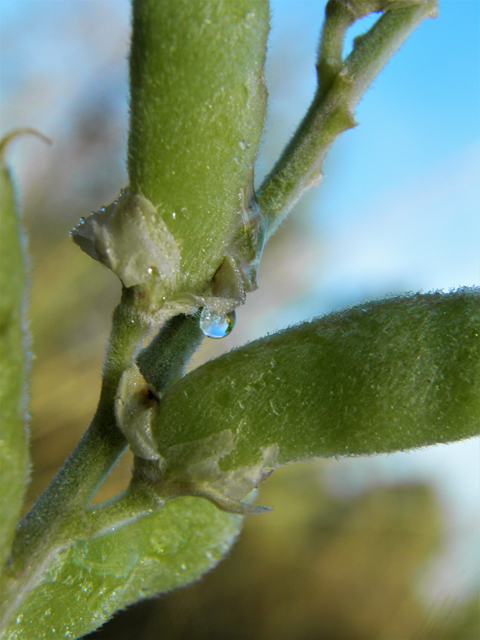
93,579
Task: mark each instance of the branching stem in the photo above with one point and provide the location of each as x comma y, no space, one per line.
59,517
46,527
341,86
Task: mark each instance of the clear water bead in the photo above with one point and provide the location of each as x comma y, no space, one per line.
215,326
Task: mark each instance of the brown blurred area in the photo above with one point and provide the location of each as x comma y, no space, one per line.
317,568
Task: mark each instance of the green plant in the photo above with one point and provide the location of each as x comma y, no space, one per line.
185,238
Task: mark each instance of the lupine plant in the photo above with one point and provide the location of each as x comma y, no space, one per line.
185,237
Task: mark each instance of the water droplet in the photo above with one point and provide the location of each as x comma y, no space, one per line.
215,326
174,215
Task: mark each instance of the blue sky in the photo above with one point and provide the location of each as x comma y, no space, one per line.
399,208
401,195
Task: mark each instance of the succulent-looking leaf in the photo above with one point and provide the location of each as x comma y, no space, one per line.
197,106
384,376
93,579
14,460
197,109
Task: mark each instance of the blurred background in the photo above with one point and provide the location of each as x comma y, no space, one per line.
385,547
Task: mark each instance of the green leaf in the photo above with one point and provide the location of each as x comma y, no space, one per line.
384,376
14,460
93,579
197,108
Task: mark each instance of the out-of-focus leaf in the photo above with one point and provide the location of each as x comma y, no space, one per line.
93,579
196,114
384,376
14,459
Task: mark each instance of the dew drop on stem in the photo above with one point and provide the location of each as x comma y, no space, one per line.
215,326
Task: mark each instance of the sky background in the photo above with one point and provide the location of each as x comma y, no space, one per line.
399,208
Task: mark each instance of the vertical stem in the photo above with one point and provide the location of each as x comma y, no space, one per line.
46,527
338,17
97,451
58,517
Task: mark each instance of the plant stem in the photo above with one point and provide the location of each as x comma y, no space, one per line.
338,17
167,355
341,86
103,442
135,502
59,517
46,527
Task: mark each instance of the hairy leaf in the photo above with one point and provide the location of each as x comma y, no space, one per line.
93,579
13,437
197,108
384,376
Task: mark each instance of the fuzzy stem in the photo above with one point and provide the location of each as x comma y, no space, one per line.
101,445
167,355
59,517
134,503
46,527
331,112
338,17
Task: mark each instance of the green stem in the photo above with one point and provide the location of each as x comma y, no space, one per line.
134,503
103,442
331,112
22,131
59,517
44,529
338,17
166,357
